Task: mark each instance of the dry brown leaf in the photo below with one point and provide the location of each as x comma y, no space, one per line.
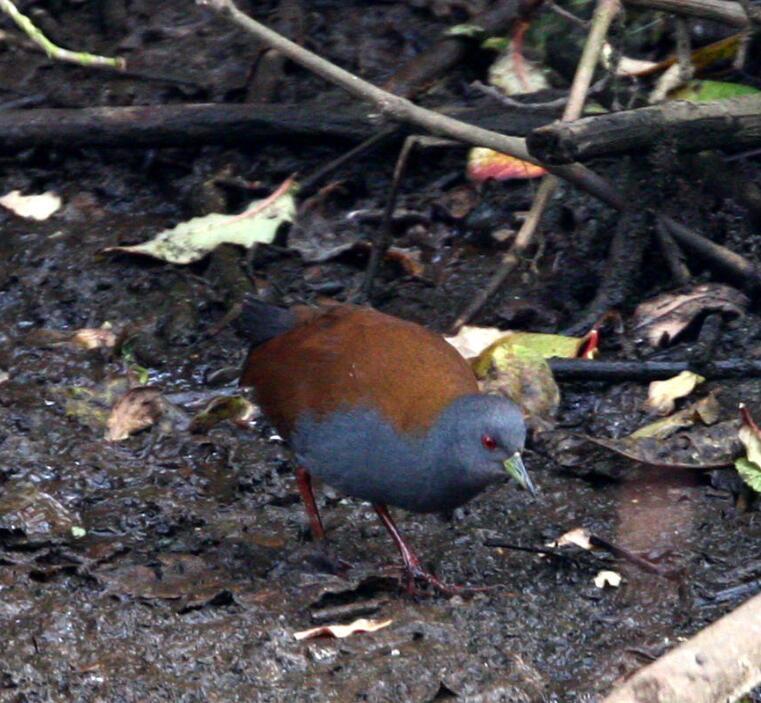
664,318
705,411
341,631
138,409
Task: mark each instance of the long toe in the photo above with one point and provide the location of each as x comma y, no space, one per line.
416,574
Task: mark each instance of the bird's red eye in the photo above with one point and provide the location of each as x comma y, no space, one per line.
488,441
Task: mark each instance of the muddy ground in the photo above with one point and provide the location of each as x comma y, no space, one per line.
176,566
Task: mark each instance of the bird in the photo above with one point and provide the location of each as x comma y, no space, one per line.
382,409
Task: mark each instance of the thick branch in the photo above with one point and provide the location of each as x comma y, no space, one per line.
730,13
720,663
213,123
645,371
689,126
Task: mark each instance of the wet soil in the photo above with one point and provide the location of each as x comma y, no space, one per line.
176,566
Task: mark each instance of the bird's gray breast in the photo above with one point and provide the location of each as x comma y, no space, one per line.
361,454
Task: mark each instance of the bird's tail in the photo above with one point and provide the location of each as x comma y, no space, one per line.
260,321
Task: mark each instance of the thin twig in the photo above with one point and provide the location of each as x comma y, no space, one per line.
383,238
567,15
724,258
645,371
549,106
54,51
673,254
313,179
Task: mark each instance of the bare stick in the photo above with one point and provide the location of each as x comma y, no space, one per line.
54,51
724,258
604,13
730,13
734,123
383,237
673,255
720,663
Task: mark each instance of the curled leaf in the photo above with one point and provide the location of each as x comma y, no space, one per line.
95,338
488,165
705,411
665,317
544,345
579,537
341,631
524,376
470,341
192,240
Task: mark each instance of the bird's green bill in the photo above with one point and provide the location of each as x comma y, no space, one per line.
515,468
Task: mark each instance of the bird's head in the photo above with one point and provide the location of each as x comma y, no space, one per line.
477,441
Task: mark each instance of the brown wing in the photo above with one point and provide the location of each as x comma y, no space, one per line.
357,356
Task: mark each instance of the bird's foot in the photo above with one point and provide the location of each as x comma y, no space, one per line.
414,573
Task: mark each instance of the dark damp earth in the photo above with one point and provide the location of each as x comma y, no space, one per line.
177,567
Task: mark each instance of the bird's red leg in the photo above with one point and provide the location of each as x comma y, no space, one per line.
304,483
412,566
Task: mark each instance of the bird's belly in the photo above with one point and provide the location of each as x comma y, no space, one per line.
363,456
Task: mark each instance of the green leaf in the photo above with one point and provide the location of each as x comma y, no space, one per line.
749,466
704,91
465,30
750,472
544,345
192,240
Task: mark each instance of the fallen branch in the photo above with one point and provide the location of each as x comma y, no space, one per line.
730,13
688,126
645,371
720,663
215,123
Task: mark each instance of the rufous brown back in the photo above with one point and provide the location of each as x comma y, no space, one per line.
348,356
